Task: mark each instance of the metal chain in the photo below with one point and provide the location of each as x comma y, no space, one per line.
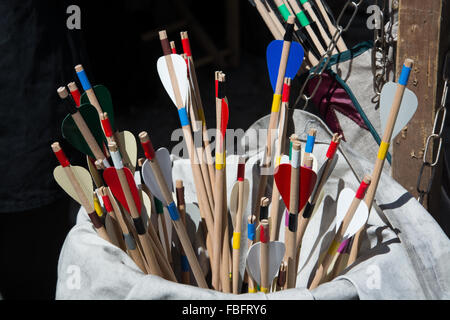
383,42
325,58
438,127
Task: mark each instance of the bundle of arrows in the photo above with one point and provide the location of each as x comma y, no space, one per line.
136,206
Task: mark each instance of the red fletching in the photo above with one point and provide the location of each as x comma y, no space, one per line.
283,180
112,179
61,156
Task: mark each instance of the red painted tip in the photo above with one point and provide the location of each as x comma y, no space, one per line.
241,172
332,149
76,97
264,234
107,127
61,156
186,47
362,190
286,92
148,149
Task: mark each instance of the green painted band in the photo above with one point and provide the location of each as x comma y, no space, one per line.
303,19
284,11
303,1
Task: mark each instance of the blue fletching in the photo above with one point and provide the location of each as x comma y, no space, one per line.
273,55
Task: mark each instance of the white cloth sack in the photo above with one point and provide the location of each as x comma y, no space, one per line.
404,253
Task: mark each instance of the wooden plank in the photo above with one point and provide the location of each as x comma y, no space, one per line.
419,39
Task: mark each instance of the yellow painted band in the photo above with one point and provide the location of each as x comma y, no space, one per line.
382,152
201,115
252,290
264,290
236,240
277,161
98,207
333,248
220,161
276,103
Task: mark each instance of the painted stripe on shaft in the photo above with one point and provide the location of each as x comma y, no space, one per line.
382,151
84,80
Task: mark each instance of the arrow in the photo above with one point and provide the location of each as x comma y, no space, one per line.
81,127
295,195
239,204
352,215
279,152
264,258
128,238
121,182
322,177
220,207
98,96
384,147
76,95
278,60
304,22
177,88
199,105
185,275
77,183
307,6
251,236
180,228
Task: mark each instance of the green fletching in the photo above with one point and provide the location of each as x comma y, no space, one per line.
104,98
73,135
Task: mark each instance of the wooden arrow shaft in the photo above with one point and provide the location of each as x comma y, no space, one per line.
179,226
277,34
87,135
236,242
384,146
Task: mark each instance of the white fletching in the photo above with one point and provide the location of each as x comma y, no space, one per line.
276,254
408,107
359,218
180,69
163,158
